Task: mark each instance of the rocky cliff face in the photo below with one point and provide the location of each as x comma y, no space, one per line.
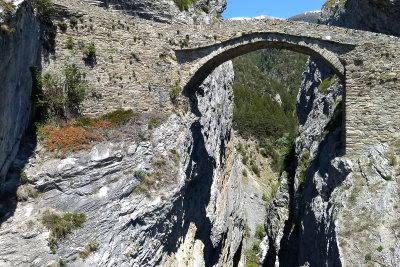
191,215
341,212
19,50
201,11
168,196
370,15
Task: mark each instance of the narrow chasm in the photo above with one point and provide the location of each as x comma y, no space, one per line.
307,233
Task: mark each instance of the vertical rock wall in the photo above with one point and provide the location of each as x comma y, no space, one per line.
18,52
340,212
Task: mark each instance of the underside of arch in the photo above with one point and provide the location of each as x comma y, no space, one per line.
204,60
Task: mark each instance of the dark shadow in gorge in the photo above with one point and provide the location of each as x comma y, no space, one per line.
8,197
316,235
191,206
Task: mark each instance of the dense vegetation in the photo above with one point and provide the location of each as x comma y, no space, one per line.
259,77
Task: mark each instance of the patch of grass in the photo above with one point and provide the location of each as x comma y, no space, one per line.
61,225
256,170
91,247
304,164
151,123
388,177
146,182
25,192
392,160
118,117
114,180
141,175
380,248
244,173
159,163
354,195
246,230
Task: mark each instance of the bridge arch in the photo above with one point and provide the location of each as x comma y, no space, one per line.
200,62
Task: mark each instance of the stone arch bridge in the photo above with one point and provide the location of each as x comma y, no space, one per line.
148,56
367,63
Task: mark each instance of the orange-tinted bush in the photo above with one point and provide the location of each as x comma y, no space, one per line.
69,137
82,132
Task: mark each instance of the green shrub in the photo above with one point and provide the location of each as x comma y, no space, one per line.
184,4
392,160
264,197
75,85
70,43
62,262
151,123
8,10
368,257
256,170
159,163
23,177
141,175
63,26
91,247
260,232
118,117
256,246
89,52
246,230
53,95
380,248
326,83
206,9
304,164
61,225
245,159
44,9
175,92
244,173
73,22
354,195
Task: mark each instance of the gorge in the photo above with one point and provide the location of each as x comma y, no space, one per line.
165,186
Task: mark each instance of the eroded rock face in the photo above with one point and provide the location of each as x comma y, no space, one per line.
190,215
202,11
342,212
19,50
371,15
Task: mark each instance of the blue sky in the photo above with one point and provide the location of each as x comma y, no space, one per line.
275,8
